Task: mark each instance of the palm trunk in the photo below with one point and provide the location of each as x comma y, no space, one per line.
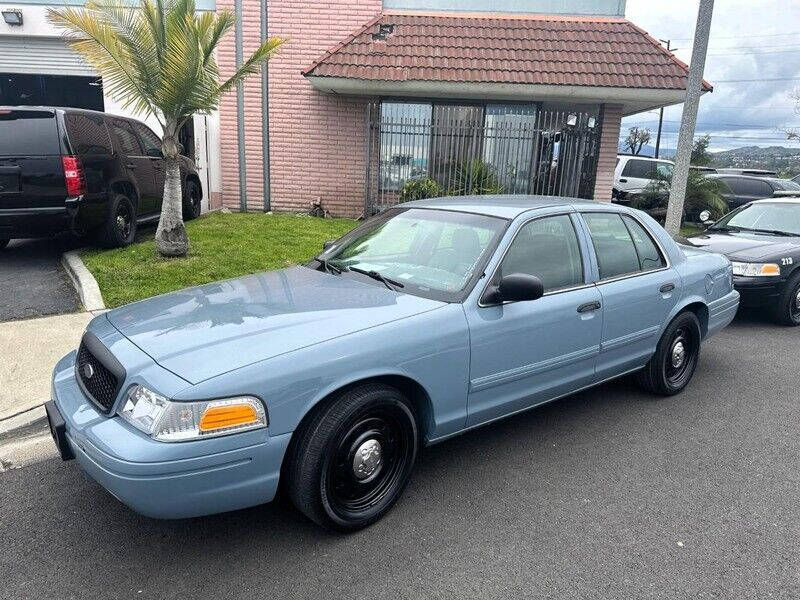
171,238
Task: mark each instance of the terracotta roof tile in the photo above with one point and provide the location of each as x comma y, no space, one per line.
531,49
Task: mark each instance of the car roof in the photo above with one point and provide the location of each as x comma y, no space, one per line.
779,200
506,206
639,157
63,109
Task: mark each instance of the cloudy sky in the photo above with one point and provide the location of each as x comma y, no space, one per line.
750,40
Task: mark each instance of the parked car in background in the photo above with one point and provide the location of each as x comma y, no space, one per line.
762,240
634,173
753,172
65,169
430,319
738,190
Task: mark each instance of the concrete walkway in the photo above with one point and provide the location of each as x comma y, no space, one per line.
31,349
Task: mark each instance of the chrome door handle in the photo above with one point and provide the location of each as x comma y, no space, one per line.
667,287
589,307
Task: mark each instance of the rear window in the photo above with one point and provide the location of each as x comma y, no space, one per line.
646,169
28,132
87,134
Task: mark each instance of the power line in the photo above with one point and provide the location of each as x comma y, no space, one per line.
738,37
755,53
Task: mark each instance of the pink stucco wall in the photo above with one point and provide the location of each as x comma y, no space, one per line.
317,140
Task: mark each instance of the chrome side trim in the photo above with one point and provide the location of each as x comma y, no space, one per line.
488,381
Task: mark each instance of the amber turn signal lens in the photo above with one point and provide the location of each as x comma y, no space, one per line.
770,269
219,417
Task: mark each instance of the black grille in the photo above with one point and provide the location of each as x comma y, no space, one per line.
98,381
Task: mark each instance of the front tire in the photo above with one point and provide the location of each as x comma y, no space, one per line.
120,227
671,368
351,462
787,311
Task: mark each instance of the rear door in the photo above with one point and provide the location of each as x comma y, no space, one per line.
136,164
31,172
639,289
151,144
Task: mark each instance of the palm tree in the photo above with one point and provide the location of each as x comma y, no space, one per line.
158,60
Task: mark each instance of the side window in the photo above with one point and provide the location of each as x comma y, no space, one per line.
126,139
87,134
616,252
150,141
650,257
641,169
727,185
549,249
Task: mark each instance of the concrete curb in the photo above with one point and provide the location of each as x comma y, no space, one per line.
84,282
13,426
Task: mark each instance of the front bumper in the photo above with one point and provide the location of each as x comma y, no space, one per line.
166,480
758,293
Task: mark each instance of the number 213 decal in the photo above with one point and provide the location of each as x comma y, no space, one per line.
787,261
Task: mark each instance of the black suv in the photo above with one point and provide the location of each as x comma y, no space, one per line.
738,190
64,169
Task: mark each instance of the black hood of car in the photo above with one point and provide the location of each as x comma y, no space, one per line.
746,247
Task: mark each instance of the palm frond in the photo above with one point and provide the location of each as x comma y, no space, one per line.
252,65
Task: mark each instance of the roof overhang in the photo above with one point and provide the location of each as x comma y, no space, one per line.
633,100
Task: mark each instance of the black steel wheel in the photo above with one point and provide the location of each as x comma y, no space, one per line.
672,366
120,226
192,200
352,460
787,310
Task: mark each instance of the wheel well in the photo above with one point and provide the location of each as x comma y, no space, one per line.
125,187
700,310
193,177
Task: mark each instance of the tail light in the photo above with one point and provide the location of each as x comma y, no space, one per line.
73,175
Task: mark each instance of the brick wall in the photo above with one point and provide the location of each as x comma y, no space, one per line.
609,148
316,140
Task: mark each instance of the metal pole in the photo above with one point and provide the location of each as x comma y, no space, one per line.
265,112
694,91
240,109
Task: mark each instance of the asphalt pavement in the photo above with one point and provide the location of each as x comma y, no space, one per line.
32,281
606,494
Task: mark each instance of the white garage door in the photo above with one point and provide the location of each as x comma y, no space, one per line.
40,56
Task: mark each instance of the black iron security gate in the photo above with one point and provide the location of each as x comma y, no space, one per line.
453,150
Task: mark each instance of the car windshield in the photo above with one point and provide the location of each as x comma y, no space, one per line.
427,252
781,217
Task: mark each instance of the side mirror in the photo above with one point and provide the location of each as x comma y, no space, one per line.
516,287
326,245
705,218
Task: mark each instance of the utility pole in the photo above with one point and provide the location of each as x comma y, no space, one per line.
694,90
661,111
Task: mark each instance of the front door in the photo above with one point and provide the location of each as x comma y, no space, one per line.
524,353
638,287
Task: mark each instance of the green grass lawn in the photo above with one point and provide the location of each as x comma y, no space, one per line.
689,230
222,246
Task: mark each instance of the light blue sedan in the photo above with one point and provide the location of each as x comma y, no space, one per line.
426,321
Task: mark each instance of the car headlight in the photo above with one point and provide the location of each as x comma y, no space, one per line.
756,269
168,421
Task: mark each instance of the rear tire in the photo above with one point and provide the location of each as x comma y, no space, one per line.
352,460
671,368
787,310
4,242
192,200
120,227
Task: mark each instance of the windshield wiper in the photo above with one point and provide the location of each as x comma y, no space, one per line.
329,267
378,277
774,232
725,228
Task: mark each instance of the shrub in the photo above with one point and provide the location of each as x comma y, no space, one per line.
419,189
475,178
702,194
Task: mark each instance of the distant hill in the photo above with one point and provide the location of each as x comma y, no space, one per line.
785,161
